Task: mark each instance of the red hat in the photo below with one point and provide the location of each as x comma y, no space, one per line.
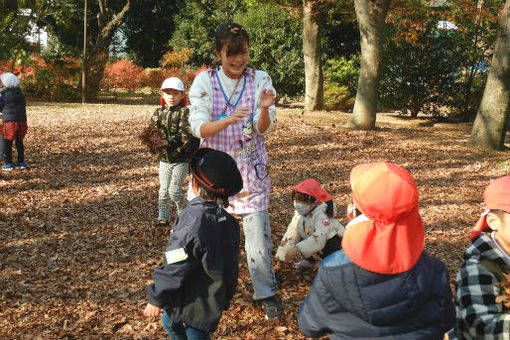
496,196
392,240
313,188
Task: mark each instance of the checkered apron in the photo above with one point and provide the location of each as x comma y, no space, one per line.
248,153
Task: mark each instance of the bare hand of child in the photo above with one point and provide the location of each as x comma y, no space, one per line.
267,98
151,311
291,254
239,114
277,266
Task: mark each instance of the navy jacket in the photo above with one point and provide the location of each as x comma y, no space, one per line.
13,105
199,276
350,302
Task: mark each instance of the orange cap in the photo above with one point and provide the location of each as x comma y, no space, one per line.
392,240
313,188
495,196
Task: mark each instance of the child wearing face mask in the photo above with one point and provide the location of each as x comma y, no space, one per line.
313,229
175,148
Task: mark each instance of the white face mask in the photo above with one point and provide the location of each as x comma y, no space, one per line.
302,208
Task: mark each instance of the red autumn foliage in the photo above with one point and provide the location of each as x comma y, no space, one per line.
123,74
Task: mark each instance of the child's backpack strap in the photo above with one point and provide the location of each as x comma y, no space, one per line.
494,268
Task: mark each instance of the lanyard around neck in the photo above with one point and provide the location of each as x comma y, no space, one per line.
227,100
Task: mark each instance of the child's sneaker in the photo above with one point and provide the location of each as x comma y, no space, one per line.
22,166
8,167
272,308
306,264
163,222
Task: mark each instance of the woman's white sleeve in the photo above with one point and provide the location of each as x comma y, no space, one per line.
201,102
263,81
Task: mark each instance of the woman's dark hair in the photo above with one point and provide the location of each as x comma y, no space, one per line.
233,35
308,199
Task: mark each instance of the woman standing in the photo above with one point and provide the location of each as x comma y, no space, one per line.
232,108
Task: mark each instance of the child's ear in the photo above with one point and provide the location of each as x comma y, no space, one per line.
493,221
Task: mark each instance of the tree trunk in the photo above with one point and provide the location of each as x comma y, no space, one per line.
371,15
98,56
489,127
314,94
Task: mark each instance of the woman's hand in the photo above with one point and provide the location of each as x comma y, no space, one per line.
238,115
151,311
267,98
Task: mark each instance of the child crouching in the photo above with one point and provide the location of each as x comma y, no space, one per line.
481,278
381,284
199,275
313,229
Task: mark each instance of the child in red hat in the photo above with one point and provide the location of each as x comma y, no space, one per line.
486,259
381,284
313,229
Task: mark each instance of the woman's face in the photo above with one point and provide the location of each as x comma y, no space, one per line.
234,65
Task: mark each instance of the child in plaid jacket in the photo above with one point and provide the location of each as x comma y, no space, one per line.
480,315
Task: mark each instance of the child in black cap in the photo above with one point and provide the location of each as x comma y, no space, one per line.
199,275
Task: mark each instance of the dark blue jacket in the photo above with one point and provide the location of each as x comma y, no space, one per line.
195,290
13,105
350,302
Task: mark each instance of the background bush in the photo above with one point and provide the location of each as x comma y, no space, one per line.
276,46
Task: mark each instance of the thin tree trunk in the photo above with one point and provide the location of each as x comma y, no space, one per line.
489,127
371,15
314,94
96,60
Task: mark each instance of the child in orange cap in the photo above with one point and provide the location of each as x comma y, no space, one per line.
313,229
381,284
486,259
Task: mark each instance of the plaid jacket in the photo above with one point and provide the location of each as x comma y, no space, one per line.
173,123
476,288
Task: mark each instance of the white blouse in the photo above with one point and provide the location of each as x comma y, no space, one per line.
201,94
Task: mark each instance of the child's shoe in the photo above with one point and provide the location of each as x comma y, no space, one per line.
163,222
8,167
22,166
306,264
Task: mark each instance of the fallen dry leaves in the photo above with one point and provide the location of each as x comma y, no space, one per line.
78,241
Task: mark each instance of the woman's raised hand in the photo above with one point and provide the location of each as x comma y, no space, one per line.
267,98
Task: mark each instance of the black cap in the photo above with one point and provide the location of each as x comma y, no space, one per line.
216,171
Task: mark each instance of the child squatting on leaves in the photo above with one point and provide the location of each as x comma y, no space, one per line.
14,120
313,229
169,136
199,275
381,284
482,309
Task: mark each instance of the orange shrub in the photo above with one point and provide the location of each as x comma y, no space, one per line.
122,74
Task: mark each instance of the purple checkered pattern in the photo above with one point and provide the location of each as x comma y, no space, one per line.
255,194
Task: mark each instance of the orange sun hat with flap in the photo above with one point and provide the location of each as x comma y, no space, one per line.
392,240
313,188
496,197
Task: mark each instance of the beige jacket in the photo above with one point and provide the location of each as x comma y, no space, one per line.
309,233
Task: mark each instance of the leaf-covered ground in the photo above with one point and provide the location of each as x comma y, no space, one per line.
78,242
